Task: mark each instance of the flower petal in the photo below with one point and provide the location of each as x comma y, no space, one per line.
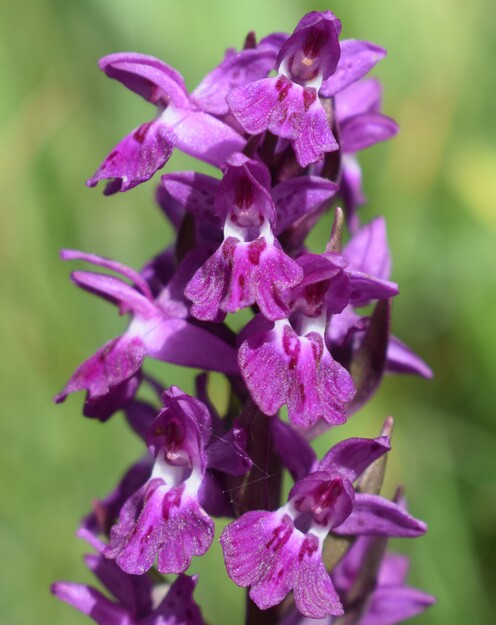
147,76
352,456
300,196
357,59
288,111
363,131
193,192
162,521
363,96
368,250
136,158
207,138
375,516
401,359
91,602
237,68
392,605
113,364
113,265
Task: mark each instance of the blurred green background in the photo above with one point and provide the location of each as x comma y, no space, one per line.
59,116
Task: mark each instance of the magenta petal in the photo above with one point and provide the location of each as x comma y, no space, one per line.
228,453
363,131
273,276
264,369
116,291
241,274
315,38
325,286
252,104
170,524
393,570
357,59
113,265
177,341
243,553
194,192
368,250
207,287
279,366
315,138
188,532
265,551
178,606
352,456
133,592
401,359
375,516
288,111
117,397
91,602
321,387
327,497
116,362
361,97
255,553
243,195
147,76
136,158
365,288
205,137
315,595
300,196
391,605
236,69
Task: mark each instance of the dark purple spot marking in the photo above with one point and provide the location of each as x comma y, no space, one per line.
228,249
255,250
172,499
112,156
291,346
308,548
309,97
283,85
280,535
326,494
141,132
317,347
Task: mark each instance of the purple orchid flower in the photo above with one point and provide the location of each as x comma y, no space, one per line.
288,361
180,123
134,603
288,104
311,62
275,552
161,328
249,267
167,516
164,517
